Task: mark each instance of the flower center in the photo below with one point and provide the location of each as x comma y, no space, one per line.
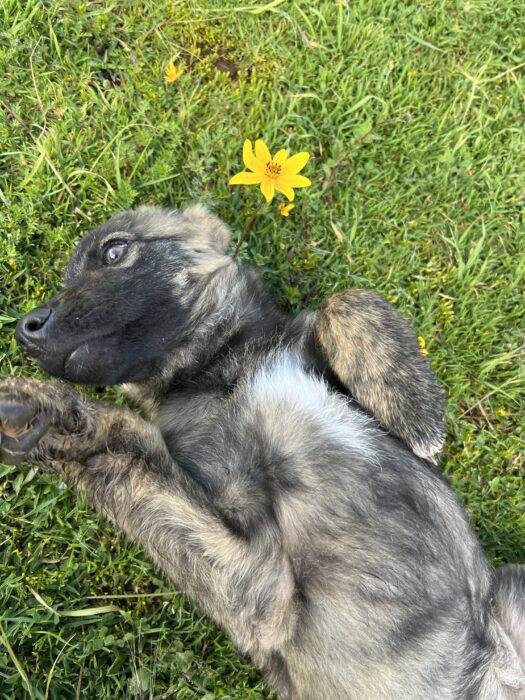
273,170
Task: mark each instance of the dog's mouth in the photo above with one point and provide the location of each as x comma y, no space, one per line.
77,356
72,359
102,356
30,349
94,361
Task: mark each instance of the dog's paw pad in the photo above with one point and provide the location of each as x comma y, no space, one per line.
20,431
15,419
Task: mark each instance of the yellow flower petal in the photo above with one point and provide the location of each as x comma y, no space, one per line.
287,191
280,157
295,163
292,181
249,159
245,178
268,189
262,153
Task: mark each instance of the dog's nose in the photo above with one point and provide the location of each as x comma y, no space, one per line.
31,329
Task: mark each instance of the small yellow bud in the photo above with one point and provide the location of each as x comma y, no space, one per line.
172,73
422,344
285,209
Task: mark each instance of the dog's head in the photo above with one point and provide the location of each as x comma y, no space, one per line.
131,291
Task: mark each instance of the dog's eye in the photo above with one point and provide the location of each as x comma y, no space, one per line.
114,252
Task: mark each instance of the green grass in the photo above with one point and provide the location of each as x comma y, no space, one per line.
413,115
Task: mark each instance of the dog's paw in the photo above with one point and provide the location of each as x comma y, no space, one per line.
30,410
21,428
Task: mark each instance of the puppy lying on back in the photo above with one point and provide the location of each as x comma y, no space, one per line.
320,537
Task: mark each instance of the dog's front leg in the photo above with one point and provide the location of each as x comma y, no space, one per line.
121,462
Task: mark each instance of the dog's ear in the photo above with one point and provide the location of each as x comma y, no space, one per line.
375,354
208,229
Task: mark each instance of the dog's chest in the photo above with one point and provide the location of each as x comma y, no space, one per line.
187,418
274,403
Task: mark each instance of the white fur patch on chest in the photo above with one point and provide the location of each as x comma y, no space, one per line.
292,399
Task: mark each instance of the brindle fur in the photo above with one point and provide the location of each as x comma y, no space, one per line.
375,354
336,558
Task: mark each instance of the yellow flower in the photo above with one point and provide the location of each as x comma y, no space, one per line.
285,209
173,73
422,344
12,263
277,173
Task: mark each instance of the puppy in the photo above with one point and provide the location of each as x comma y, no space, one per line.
283,476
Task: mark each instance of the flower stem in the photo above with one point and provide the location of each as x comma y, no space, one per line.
248,226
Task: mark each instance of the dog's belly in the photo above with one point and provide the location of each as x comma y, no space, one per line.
383,558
